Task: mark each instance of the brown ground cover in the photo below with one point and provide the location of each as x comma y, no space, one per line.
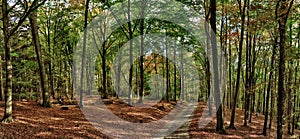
32,121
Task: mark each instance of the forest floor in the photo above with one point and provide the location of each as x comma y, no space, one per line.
33,121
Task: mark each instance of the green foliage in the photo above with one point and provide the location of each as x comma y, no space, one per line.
14,55
25,95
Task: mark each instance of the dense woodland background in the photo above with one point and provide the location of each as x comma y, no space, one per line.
260,40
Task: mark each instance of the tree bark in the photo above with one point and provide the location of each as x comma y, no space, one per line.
282,11
83,56
141,66
43,77
130,32
269,86
220,121
7,118
1,82
242,11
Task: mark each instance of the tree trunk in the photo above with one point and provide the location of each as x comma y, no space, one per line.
242,11
167,69
269,86
289,88
130,32
174,64
141,66
282,11
208,82
51,83
103,66
7,118
1,82
83,53
42,71
264,94
220,121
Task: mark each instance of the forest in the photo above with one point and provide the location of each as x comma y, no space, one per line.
150,69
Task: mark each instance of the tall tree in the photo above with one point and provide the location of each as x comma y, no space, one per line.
36,41
242,8
283,8
220,121
83,52
8,32
130,32
269,86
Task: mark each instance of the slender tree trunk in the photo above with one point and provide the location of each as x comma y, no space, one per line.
265,80
208,82
51,88
269,86
252,76
181,75
242,11
272,106
83,53
168,69
130,54
141,66
42,71
247,85
289,88
1,82
104,73
174,64
220,121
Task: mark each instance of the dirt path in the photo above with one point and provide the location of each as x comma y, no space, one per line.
183,131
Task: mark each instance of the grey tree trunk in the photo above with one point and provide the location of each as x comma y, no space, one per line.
83,53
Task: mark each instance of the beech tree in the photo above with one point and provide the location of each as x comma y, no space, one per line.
8,32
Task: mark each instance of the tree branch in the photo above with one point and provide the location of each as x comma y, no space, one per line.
25,15
12,7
